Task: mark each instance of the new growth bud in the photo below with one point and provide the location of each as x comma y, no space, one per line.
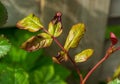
113,38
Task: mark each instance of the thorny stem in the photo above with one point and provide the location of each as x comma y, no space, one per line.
71,60
108,53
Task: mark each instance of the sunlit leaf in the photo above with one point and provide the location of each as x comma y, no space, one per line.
30,23
115,81
41,40
84,55
55,25
3,14
74,36
117,72
4,46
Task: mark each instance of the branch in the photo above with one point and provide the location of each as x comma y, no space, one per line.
71,60
108,53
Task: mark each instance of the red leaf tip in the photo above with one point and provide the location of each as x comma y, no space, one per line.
58,14
57,18
113,38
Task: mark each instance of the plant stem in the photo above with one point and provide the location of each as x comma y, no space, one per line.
83,81
77,69
108,53
71,60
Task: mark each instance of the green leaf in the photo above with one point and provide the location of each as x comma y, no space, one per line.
115,81
61,71
117,73
3,14
4,46
42,40
76,33
46,75
55,26
84,55
6,74
9,75
30,23
20,57
21,77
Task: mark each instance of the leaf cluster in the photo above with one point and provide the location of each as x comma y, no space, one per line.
55,28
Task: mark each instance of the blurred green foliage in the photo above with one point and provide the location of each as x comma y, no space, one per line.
22,67
4,46
115,81
9,75
112,28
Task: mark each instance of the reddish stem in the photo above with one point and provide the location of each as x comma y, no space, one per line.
82,81
108,53
71,60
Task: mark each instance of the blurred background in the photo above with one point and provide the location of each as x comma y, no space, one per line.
100,17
